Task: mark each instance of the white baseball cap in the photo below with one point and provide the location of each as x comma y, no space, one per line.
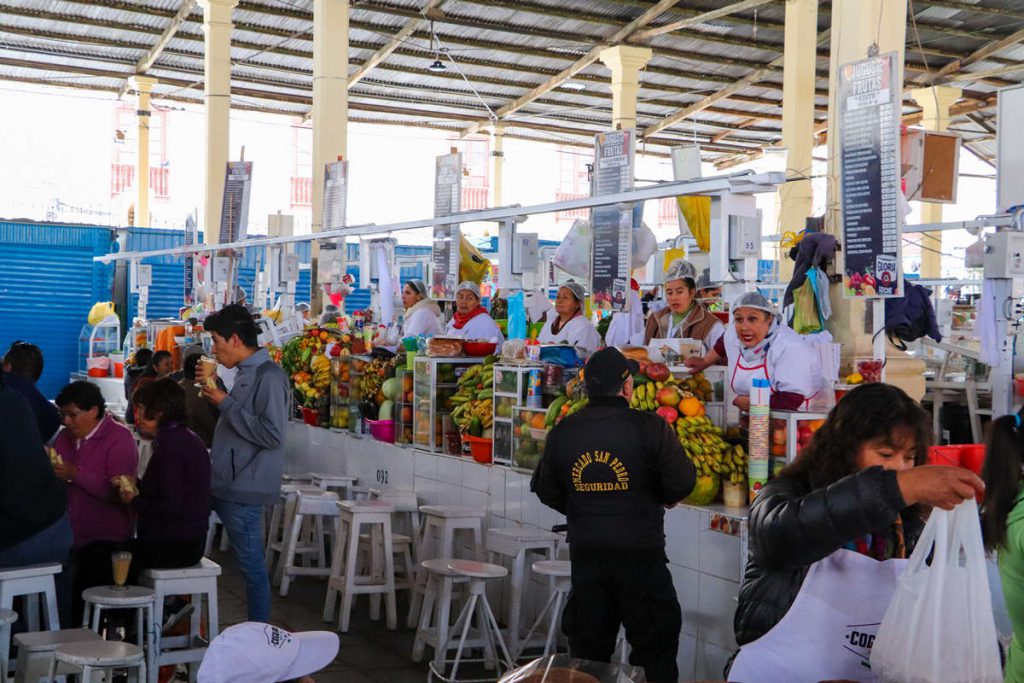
255,652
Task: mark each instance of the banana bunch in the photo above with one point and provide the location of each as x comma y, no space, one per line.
474,401
321,367
705,447
468,414
644,396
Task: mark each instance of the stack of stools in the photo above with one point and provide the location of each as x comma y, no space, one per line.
308,506
405,545
101,656
342,485
488,635
345,579
441,526
517,543
139,598
35,652
30,581
197,581
7,617
280,521
550,616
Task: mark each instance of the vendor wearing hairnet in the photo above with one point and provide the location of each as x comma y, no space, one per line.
422,315
471,320
685,317
758,345
568,324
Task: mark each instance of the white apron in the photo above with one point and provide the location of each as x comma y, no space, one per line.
793,366
828,632
578,332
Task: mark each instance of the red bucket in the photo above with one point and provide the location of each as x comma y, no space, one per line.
970,456
382,430
311,417
480,448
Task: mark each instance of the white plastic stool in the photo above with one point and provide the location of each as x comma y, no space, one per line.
401,545
35,652
435,617
211,531
496,654
307,506
344,563
100,656
560,572
441,523
407,509
342,485
139,598
195,581
297,479
30,581
280,522
517,543
7,617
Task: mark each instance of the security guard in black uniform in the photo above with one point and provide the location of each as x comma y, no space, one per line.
612,471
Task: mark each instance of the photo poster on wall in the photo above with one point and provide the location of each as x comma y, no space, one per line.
612,226
234,212
335,195
869,120
447,201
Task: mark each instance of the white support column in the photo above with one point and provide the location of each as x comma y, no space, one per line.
497,164
143,85
935,103
330,108
625,62
217,27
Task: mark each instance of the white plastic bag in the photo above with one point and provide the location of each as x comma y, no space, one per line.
573,254
645,243
939,627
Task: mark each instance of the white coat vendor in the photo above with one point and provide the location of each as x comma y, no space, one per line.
569,325
422,315
758,345
685,317
471,320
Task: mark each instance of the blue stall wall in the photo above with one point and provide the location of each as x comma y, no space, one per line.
48,283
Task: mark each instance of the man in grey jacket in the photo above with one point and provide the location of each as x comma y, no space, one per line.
248,444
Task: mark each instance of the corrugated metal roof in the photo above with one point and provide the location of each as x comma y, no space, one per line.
504,49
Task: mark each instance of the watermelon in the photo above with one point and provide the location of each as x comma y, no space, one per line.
387,410
390,388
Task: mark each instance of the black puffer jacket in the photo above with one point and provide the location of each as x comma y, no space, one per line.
794,524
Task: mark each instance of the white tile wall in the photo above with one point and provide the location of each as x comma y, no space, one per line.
496,491
716,606
688,593
475,476
682,536
449,470
719,554
711,661
687,659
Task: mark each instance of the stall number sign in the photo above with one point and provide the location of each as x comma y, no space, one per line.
869,119
447,201
612,227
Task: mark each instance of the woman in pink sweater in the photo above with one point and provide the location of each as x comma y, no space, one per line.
93,450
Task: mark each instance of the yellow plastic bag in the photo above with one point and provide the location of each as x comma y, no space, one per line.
100,312
806,319
697,212
472,264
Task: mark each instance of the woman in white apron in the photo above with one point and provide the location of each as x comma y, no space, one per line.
471,320
422,315
568,324
685,317
758,345
829,537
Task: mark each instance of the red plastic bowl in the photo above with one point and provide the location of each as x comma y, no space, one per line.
311,417
382,430
480,448
479,348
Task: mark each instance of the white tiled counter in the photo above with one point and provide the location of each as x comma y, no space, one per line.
705,563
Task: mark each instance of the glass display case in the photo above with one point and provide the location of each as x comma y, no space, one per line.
435,380
404,407
510,388
790,432
528,437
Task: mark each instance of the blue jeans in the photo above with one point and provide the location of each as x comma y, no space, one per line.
244,524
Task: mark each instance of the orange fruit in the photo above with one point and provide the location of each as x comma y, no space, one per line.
537,421
778,449
690,407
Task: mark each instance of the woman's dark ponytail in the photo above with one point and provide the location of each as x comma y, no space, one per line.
1002,476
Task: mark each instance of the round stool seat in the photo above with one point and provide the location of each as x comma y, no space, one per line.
7,617
477,570
365,506
48,641
560,568
109,596
103,653
439,567
447,511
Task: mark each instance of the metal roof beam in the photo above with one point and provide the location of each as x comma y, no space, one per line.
394,43
577,66
947,72
741,6
147,60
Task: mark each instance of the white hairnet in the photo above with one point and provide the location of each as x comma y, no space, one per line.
576,288
679,269
753,300
468,286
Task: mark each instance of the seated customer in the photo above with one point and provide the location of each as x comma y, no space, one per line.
23,366
94,449
200,415
138,364
173,500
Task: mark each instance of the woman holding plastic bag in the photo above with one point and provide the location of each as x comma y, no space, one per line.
829,537
1003,514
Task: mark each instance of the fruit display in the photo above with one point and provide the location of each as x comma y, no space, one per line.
371,385
531,431
791,434
708,451
869,369
340,377
403,407
308,368
436,382
473,411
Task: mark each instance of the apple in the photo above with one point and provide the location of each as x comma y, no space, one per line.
668,396
669,413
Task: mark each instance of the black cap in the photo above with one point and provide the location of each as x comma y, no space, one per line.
607,370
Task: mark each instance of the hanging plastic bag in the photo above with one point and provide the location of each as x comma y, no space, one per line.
516,317
100,311
939,626
645,243
806,319
573,254
472,264
697,212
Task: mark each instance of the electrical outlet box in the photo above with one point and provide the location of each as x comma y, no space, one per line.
287,269
144,275
220,269
525,248
1004,255
744,237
